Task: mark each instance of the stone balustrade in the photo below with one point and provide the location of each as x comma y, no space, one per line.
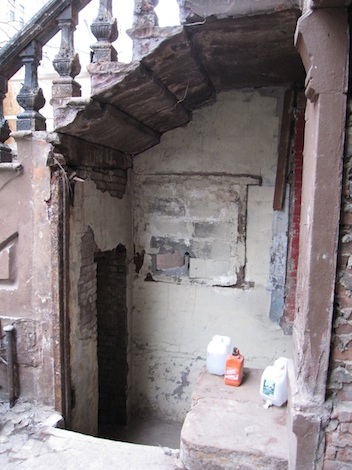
66,61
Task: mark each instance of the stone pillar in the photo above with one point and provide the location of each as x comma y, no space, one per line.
30,97
322,40
27,269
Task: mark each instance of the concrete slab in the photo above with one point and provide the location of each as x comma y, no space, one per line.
228,427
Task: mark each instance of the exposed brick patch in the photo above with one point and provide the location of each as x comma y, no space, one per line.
112,335
87,287
287,319
338,452
112,180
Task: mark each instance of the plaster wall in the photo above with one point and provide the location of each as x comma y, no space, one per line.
205,192
108,221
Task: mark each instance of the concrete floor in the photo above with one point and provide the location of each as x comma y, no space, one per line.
226,428
29,441
148,431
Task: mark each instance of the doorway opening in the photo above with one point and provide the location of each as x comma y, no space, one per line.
112,337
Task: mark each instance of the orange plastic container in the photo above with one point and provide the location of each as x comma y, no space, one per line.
234,368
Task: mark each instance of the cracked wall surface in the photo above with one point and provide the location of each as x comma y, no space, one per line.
26,273
203,222
99,222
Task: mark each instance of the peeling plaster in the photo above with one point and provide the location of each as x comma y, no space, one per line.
206,190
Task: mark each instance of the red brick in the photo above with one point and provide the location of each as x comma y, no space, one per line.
344,395
346,427
345,355
344,416
343,329
345,455
330,452
332,465
346,218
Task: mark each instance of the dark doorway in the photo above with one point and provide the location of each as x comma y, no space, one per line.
112,337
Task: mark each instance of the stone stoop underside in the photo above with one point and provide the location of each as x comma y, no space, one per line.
228,427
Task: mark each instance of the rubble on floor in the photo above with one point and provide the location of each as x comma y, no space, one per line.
29,440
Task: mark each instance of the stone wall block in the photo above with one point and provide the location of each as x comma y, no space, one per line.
29,342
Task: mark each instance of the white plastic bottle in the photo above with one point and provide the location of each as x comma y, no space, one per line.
217,352
273,384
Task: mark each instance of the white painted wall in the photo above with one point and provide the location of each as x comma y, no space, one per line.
175,318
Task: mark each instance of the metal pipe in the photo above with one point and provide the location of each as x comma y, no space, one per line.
9,330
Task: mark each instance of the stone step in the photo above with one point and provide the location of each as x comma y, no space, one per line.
228,427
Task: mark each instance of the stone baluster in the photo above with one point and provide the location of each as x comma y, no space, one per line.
144,28
144,14
5,151
30,97
66,62
105,30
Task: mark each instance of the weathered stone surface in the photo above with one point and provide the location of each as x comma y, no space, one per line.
182,68
244,52
135,91
30,344
227,427
106,125
194,10
42,26
29,440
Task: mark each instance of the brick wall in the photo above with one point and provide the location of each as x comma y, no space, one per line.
295,216
112,336
338,453
112,180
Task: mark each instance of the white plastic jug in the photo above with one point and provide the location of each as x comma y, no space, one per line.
217,352
273,384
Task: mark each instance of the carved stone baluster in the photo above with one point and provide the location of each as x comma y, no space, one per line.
145,27
105,30
66,62
30,97
5,151
144,14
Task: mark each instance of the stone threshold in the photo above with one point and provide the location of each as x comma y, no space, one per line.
228,427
